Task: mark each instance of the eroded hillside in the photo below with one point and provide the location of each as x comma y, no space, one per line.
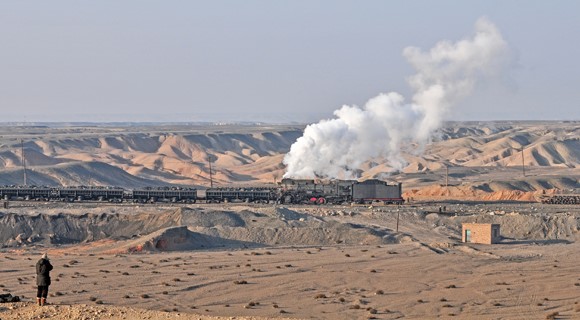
478,157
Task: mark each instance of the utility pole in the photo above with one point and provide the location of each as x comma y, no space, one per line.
210,173
398,220
447,179
23,159
523,165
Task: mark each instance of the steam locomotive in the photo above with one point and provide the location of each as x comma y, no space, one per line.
288,191
339,191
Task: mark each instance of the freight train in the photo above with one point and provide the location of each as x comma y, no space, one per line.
288,191
561,199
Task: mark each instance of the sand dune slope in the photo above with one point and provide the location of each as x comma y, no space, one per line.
134,156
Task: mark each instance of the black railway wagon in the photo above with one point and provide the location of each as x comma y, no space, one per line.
561,199
163,195
377,190
87,193
262,194
25,193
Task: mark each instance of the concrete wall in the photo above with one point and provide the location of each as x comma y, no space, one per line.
486,233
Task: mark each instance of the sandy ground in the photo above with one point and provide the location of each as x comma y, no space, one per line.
426,273
397,281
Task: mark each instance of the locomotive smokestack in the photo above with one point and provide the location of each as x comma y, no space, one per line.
386,123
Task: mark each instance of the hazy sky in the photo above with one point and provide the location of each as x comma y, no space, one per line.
268,60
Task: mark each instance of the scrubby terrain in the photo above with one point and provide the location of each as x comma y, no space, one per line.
334,262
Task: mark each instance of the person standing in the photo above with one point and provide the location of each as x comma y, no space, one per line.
43,268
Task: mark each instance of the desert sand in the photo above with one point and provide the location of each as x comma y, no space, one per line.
237,261
299,262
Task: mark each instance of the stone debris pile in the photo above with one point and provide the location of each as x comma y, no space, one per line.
7,297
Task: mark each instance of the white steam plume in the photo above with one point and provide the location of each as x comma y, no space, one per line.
337,147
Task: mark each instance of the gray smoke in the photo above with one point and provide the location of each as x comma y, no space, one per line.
448,72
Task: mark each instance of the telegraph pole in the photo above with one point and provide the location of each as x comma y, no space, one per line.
447,179
523,165
398,220
23,159
210,172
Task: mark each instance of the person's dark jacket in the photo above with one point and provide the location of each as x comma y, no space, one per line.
43,268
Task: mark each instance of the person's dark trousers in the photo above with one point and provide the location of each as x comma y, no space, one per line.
41,295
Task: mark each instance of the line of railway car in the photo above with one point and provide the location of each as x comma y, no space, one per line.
110,194
288,191
561,199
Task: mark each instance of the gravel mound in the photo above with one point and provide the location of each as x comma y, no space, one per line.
28,310
186,229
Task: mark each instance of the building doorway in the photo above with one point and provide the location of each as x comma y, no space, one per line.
467,235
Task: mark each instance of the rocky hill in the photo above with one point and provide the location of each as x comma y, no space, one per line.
474,157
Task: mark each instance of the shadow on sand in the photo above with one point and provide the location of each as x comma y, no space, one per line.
535,241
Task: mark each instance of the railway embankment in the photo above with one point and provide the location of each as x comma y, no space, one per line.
184,228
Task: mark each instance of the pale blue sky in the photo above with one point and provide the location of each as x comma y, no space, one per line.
268,60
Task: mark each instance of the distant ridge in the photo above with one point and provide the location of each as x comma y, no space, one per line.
131,154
